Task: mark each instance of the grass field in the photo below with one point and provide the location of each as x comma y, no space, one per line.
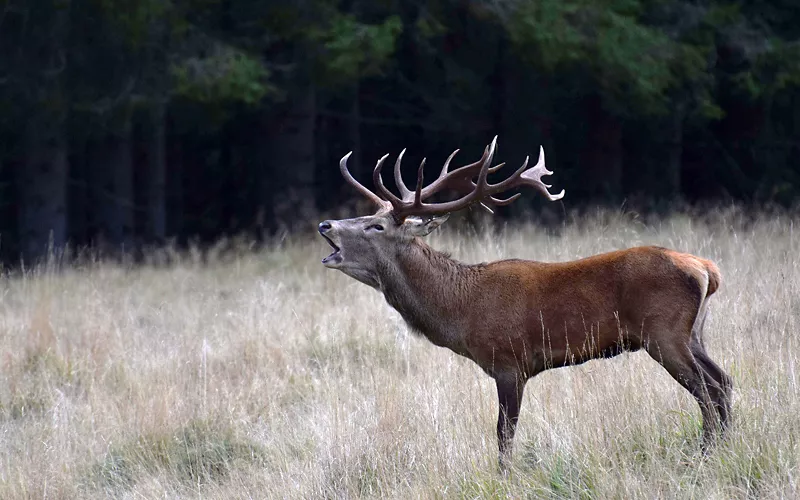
254,375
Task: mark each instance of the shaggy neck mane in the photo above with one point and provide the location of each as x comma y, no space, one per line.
428,288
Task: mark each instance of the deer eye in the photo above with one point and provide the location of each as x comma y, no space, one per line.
376,227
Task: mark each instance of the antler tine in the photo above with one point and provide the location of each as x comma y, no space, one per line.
509,182
405,193
476,194
447,163
534,178
504,202
459,179
531,177
420,175
484,173
486,207
353,182
397,203
496,167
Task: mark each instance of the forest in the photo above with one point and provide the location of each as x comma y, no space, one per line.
125,124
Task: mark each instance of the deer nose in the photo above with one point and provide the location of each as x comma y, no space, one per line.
324,226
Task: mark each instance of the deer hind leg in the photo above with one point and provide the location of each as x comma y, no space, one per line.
510,389
692,374
718,381
719,384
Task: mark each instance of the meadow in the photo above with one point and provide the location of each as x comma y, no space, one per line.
261,374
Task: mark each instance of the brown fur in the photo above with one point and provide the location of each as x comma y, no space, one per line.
516,318
701,269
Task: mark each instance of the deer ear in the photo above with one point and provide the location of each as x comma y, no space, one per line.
423,227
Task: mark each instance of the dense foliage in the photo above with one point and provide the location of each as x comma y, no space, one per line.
130,122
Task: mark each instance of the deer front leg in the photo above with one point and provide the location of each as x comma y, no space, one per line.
509,392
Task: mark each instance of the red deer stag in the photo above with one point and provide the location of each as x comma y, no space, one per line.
516,318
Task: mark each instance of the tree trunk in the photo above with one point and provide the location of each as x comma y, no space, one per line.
602,154
157,174
355,163
45,171
354,132
79,203
293,160
115,176
672,173
175,212
43,190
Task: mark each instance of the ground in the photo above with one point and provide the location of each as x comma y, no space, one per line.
263,374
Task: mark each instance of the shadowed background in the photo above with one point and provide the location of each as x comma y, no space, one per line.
131,123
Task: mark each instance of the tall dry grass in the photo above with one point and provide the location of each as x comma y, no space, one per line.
266,375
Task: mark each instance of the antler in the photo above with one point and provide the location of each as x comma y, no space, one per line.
383,204
459,180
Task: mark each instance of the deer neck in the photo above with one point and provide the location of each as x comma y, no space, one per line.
430,291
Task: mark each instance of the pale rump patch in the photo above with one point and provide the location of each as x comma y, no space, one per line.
714,276
694,267
708,277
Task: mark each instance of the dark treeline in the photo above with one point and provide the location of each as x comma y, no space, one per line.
125,123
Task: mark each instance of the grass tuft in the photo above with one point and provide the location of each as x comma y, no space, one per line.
197,454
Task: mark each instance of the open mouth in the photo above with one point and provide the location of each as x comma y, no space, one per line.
335,256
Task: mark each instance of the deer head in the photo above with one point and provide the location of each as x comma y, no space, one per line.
363,246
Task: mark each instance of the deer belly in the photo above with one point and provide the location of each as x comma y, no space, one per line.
577,343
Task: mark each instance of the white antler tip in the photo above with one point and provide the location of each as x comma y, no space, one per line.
558,196
347,156
540,161
493,146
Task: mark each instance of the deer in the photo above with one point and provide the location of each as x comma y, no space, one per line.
516,318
